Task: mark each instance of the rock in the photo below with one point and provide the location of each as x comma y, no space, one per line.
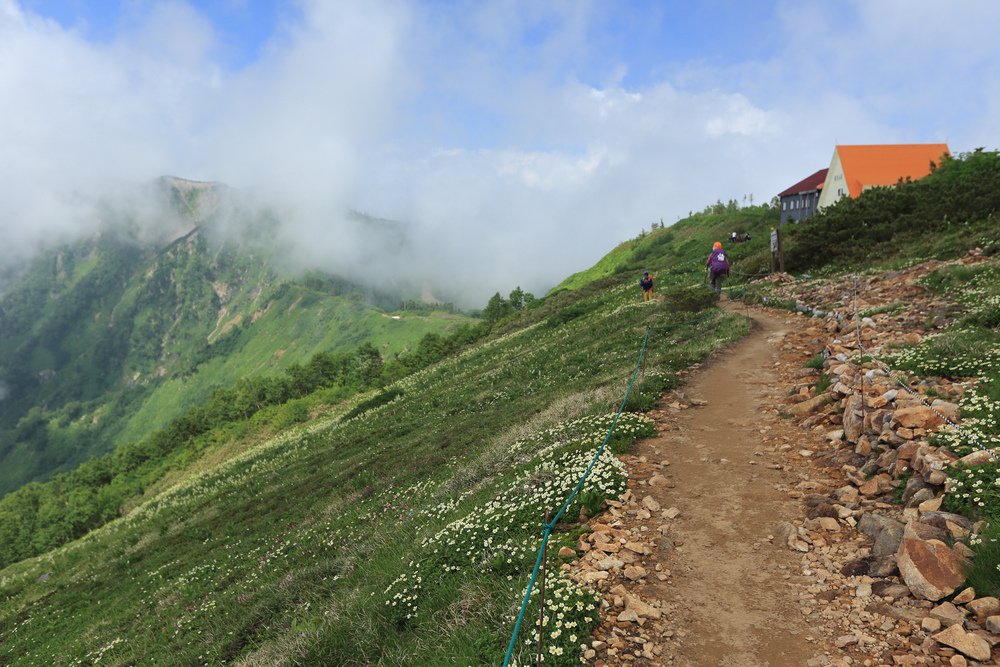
886,531
593,576
853,422
846,640
948,614
847,494
948,409
884,566
984,607
640,608
873,523
887,589
811,405
941,519
913,485
636,547
888,540
923,495
855,568
609,564
658,480
672,513
931,505
650,503
628,616
869,487
963,550
900,613
635,572
968,595
977,458
930,624
930,569
830,524
993,624
566,552
841,388
935,477
958,660
967,643
917,530
917,416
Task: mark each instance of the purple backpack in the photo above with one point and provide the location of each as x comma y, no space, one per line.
719,262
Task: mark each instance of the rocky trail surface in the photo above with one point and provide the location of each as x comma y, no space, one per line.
763,524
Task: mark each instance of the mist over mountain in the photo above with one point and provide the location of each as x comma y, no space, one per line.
180,287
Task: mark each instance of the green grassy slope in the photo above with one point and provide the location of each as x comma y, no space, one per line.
110,338
683,247
402,535
940,216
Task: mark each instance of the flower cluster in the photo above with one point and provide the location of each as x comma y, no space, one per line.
948,355
570,611
501,534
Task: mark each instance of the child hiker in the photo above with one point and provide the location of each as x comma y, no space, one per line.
646,283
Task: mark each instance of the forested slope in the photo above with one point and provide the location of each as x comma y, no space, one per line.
107,338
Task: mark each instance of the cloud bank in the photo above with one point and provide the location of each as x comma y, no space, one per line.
516,144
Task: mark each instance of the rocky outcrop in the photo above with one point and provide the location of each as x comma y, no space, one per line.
930,568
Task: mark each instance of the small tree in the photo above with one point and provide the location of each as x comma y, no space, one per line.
516,298
496,309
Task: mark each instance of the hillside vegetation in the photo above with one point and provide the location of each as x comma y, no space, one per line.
106,339
388,513
937,217
395,527
681,249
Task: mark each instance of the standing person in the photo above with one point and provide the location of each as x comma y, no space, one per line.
718,266
646,283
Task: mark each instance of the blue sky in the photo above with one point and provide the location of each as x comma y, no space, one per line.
492,128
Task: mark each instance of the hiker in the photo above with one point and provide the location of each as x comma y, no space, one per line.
646,283
718,266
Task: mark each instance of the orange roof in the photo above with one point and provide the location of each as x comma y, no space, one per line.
885,164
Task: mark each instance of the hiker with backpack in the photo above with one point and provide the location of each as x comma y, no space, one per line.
718,266
646,283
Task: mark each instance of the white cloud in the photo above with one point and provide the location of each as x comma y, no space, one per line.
477,123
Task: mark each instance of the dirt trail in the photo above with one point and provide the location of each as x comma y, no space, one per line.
731,593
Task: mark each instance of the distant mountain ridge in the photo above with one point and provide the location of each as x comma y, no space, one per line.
110,336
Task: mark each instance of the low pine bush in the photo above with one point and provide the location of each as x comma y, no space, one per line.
689,299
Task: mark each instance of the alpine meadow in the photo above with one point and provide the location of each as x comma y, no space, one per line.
402,333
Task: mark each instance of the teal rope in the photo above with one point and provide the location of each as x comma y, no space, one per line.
550,526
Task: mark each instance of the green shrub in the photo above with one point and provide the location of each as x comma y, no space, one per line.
569,313
689,299
376,401
816,362
941,216
982,571
948,278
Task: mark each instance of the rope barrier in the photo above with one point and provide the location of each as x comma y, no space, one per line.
550,525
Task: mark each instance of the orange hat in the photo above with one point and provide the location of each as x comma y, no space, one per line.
716,245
